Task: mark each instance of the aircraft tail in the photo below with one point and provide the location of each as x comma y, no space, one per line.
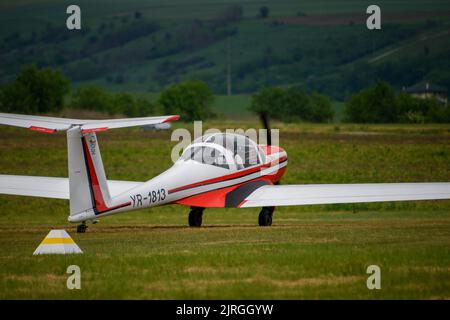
87,179
88,187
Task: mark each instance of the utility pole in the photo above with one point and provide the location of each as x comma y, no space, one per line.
228,66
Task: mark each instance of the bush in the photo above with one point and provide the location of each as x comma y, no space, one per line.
292,104
321,108
91,98
35,91
376,104
435,111
123,103
192,100
269,101
380,104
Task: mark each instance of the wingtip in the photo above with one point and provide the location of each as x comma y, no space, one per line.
172,118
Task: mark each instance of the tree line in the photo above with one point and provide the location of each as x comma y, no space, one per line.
46,90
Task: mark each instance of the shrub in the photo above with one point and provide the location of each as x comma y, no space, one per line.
35,91
192,100
92,98
380,104
376,104
292,104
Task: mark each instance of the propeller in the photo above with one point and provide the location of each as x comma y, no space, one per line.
265,121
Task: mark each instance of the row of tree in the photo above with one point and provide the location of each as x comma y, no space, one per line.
44,91
380,103
191,100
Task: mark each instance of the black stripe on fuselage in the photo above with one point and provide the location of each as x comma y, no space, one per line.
235,197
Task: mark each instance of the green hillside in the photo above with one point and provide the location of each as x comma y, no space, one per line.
145,45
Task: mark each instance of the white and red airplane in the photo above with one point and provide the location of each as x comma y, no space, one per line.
215,171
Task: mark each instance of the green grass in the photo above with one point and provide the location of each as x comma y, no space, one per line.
310,252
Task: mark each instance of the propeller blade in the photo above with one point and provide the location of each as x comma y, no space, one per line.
265,121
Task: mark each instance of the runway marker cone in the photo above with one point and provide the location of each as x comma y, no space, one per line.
57,242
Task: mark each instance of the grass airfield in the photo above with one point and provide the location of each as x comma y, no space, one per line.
310,252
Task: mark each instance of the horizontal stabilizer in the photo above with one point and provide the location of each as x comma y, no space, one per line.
50,187
52,124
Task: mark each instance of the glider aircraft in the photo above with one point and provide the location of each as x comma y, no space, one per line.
215,171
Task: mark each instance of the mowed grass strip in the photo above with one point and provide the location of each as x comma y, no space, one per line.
310,251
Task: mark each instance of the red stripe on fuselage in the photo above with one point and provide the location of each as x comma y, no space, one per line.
230,176
99,202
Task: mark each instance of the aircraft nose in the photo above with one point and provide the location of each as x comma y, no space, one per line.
271,150
282,153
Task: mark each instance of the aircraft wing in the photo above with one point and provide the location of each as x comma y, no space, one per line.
50,187
51,124
289,195
37,122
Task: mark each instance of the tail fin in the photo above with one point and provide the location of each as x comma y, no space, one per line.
87,180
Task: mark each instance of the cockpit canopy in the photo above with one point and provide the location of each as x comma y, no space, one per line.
224,150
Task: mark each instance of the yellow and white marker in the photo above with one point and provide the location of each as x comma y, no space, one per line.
57,242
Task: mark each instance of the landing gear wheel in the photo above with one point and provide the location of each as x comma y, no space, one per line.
265,216
195,216
81,228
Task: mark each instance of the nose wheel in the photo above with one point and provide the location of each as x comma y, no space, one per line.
195,216
265,216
